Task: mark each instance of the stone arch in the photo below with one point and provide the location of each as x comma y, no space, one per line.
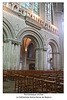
8,29
33,34
53,43
4,34
55,53
8,35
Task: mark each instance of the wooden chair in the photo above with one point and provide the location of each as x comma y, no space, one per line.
22,84
44,77
52,78
16,81
51,86
30,84
38,85
44,87
60,88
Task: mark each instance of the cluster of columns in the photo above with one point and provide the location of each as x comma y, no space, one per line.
59,19
11,55
41,60
40,63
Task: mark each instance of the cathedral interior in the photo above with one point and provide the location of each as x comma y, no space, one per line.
33,47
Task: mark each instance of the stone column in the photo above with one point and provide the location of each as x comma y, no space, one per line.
9,54
45,59
18,59
58,61
25,65
36,59
5,56
59,18
12,57
54,62
16,56
40,59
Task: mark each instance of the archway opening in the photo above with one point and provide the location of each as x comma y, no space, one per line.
27,54
32,66
49,58
52,55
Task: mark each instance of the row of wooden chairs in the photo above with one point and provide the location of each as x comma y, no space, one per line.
11,73
36,84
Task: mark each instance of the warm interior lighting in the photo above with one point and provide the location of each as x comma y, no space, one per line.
26,49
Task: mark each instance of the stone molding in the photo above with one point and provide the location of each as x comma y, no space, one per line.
32,22
12,40
55,53
38,48
8,28
31,33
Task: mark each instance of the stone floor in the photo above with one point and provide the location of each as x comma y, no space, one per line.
8,86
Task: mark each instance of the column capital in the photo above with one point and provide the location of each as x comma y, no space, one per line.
38,48
44,49
55,52
14,41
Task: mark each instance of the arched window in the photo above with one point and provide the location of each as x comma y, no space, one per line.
32,6
10,5
49,12
26,5
36,8
30,51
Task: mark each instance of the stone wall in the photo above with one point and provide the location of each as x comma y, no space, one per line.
16,28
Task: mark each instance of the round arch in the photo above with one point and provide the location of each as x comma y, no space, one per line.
8,29
53,44
33,34
55,54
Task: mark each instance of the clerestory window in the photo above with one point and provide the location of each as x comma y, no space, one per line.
49,12
26,5
36,8
32,6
